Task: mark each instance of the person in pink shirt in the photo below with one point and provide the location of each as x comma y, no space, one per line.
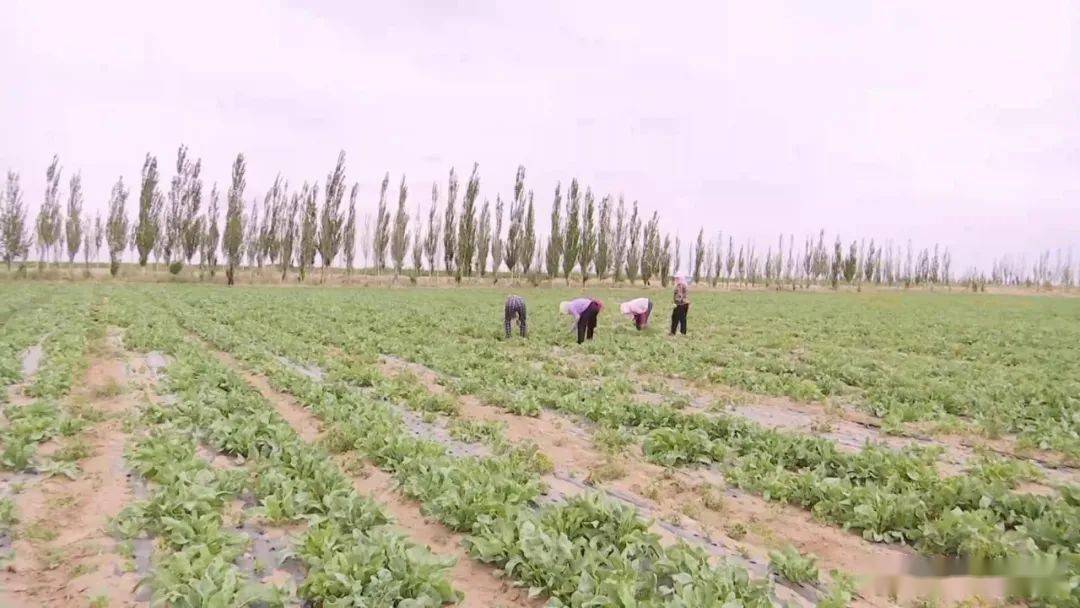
640,309
585,311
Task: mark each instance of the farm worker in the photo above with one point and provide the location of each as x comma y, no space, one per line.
640,309
514,309
584,311
682,304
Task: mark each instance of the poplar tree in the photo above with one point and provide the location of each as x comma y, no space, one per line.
99,236
467,225
381,238
869,263
633,249
619,246
450,226
665,260
850,267
14,232
946,276
790,269
730,266
588,236
431,242
148,224
554,248
399,245
497,241
73,226
483,239
699,254
251,238
366,243
572,236
87,231
718,259
418,243
331,219
289,229
191,227
48,221
528,240
270,232
603,239
309,230
678,254
233,240
837,267
179,233
517,215
116,231
348,238
212,237
650,254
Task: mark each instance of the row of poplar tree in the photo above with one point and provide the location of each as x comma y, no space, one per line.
586,238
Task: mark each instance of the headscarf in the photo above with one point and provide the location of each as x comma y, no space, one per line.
680,278
624,308
564,307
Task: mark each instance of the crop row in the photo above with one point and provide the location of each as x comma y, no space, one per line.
1005,365
585,551
888,496
352,557
64,327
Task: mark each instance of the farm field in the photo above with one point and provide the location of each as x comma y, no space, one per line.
192,445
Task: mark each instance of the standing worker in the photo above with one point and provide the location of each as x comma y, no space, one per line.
515,309
682,304
640,309
584,311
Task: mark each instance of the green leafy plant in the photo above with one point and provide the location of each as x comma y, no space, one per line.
793,566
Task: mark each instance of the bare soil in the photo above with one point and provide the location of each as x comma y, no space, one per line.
482,585
674,498
851,430
63,553
697,500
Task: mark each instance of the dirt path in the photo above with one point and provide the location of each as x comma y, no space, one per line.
482,586
63,553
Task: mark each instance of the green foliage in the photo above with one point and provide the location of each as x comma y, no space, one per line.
233,236
793,566
8,514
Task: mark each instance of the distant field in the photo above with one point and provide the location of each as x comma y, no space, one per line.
255,441
1007,364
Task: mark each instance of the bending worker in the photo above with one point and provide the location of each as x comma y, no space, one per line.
515,309
585,312
640,309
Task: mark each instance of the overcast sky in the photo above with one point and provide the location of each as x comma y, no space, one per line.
955,122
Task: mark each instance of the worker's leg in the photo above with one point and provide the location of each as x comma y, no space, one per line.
682,318
674,319
507,317
521,322
582,321
591,313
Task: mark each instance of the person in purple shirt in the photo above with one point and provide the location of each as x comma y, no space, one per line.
585,312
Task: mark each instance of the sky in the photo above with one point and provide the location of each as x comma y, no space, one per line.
941,122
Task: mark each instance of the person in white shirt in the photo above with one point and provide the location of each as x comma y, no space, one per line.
639,309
